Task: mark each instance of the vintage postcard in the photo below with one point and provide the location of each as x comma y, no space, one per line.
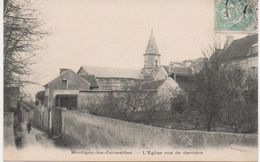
139,80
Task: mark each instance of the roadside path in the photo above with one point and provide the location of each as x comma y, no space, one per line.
36,137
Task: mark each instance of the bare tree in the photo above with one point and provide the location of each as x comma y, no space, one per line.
22,31
178,106
216,81
241,110
139,103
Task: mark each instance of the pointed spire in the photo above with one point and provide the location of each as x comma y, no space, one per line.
152,47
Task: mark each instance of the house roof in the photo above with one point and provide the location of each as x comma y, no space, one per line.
152,46
239,48
153,85
108,72
182,70
64,73
91,79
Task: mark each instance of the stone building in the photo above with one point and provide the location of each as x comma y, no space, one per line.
63,91
244,53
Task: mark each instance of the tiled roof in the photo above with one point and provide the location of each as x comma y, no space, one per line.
91,79
154,73
240,48
68,73
153,85
107,72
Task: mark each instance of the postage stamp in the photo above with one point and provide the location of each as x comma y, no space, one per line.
236,15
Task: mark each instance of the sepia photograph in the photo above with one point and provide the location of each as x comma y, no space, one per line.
139,80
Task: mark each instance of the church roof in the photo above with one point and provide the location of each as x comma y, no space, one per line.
153,85
152,46
108,72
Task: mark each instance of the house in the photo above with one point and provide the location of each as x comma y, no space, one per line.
63,90
244,53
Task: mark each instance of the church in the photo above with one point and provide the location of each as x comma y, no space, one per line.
75,90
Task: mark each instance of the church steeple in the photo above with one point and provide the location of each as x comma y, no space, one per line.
152,46
152,55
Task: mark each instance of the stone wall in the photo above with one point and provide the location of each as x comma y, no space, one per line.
9,139
88,98
96,132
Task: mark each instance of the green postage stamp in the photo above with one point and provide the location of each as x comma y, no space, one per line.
236,15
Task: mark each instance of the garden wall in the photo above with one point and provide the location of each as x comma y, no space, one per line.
95,132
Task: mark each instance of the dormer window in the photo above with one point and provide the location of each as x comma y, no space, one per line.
64,84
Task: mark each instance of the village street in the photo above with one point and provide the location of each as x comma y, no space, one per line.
36,146
36,137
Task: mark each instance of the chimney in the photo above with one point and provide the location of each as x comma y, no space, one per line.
62,70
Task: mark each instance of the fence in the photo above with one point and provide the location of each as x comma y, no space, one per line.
95,132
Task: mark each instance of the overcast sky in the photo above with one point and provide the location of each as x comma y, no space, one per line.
114,33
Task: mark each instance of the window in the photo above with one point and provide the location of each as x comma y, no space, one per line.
156,63
254,72
64,84
253,49
68,101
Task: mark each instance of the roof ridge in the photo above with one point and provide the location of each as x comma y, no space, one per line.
85,66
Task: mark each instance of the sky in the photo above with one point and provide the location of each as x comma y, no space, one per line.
115,33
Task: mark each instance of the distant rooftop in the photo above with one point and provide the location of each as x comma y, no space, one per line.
108,72
239,48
